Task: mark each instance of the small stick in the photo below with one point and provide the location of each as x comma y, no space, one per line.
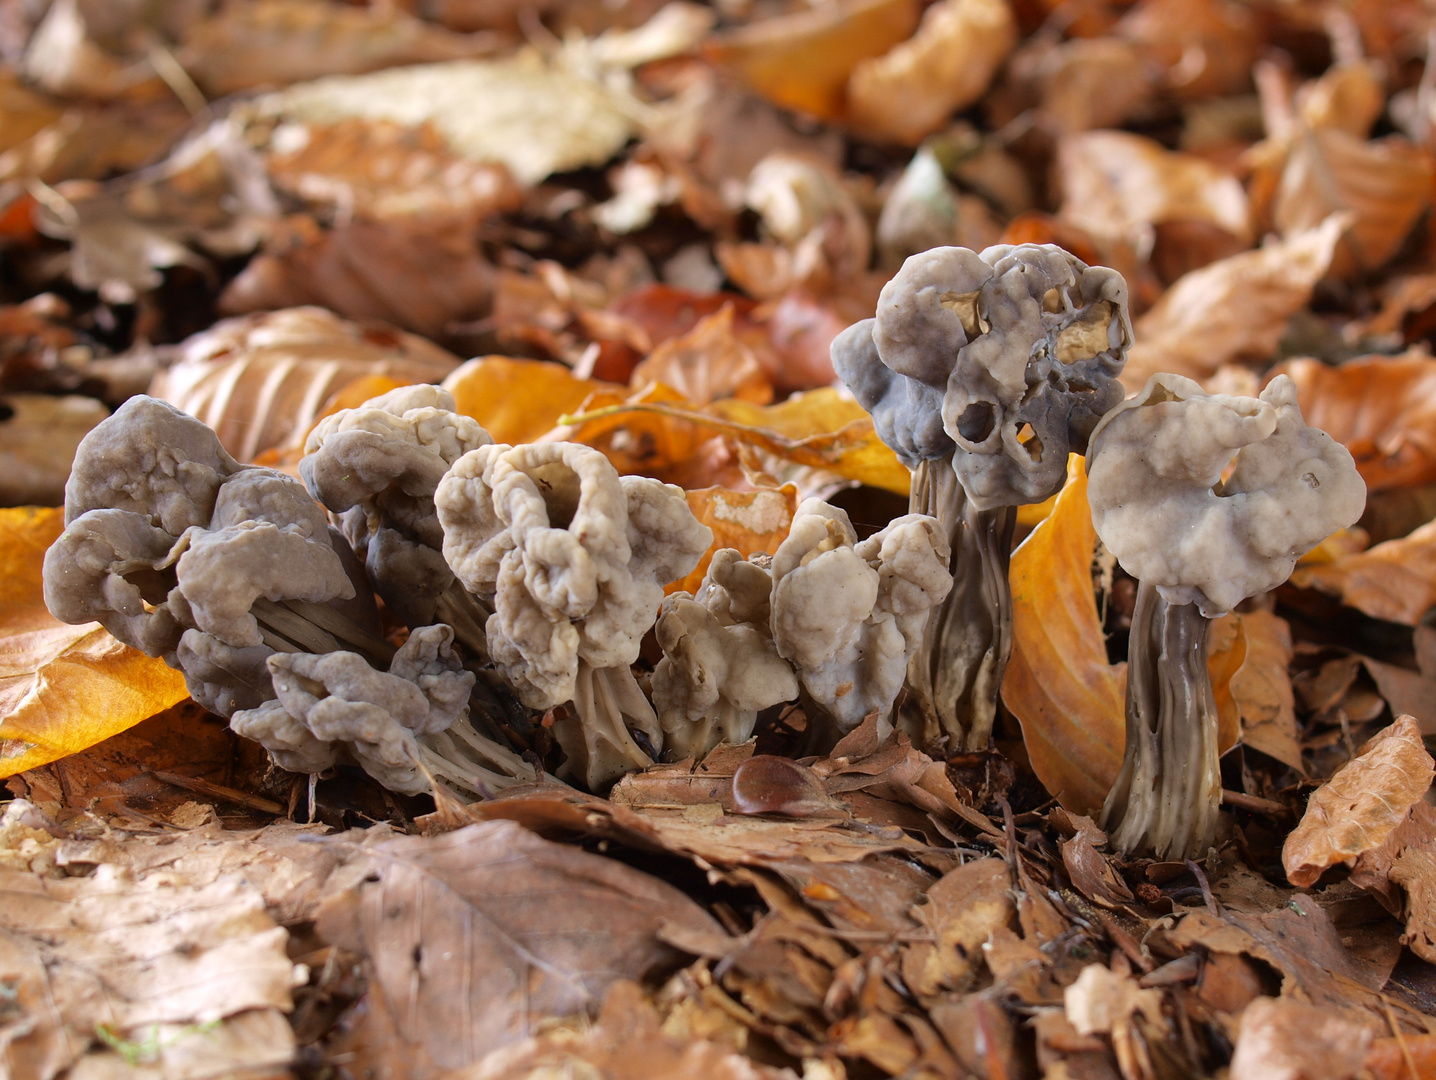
218,791
1253,804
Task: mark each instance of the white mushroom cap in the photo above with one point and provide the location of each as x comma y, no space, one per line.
1160,505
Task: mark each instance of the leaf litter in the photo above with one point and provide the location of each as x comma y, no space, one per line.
646,223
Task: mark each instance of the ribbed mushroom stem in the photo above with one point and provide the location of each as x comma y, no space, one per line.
1168,793
954,679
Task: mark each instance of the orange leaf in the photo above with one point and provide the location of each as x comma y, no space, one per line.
750,521
62,688
1226,653
516,401
1382,409
802,61
1395,581
1069,700
1262,689
1361,805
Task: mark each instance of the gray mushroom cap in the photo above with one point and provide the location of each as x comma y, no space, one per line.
376,468
151,459
1014,352
1160,504
338,701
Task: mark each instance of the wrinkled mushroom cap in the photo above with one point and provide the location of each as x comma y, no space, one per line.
151,459
573,556
1014,353
1160,505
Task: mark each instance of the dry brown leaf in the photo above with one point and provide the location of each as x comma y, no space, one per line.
626,1043
961,912
802,60
379,170
261,381
1395,581
1086,83
707,363
1069,700
38,438
1381,408
1205,46
126,951
748,521
1394,1058
1385,185
1361,805
62,687
1262,689
1226,653
1409,845
1233,309
420,274
911,91
285,41
1292,1040
1114,182
460,930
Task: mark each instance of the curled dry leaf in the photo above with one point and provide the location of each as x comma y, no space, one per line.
1282,1039
707,363
421,274
62,688
261,381
1385,185
1263,693
911,91
1069,700
460,930
1233,309
1395,580
748,521
802,60
1401,873
1205,46
1381,408
1114,182
378,170
1361,805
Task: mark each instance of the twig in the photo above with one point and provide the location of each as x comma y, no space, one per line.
218,791
1253,804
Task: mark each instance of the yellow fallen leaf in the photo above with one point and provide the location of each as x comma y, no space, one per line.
1263,693
1226,653
62,688
1069,700
1359,807
749,521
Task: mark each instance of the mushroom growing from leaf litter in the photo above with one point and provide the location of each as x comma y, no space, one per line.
983,372
1198,544
573,558
232,574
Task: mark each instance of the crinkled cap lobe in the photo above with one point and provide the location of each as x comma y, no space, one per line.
339,699
1160,505
151,459
907,414
573,557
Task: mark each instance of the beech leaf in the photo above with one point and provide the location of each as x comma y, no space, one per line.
1361,805
1395,580
62,688
475,933
748,521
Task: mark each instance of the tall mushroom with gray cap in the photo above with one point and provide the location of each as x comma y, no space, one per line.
983,372
573,559
1198,545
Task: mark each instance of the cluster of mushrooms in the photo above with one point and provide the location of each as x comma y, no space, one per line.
528,576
